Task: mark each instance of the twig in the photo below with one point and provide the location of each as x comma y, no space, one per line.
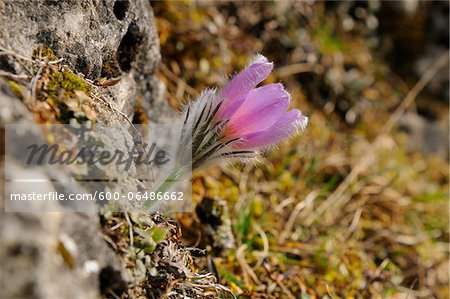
56,61
110,242
34,82
4,51
117,226
130,229
13,76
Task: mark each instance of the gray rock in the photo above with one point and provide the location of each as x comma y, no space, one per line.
51,255
98,39
55,255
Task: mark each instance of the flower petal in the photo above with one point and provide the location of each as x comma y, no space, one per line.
234,93
283,128
260,110
259,98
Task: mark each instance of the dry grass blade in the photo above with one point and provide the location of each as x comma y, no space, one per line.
247,271
32,98
130,228
265,252
308,202
335,200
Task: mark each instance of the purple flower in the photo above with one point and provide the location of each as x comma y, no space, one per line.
239,121
258,116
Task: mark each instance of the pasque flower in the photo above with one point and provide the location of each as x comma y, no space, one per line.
237,122
257,116
240,120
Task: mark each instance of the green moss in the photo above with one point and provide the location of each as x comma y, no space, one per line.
16,89
43,52
69,82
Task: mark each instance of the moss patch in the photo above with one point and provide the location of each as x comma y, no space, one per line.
67,81
16,89
43,52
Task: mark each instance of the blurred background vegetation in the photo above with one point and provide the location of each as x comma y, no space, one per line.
355,207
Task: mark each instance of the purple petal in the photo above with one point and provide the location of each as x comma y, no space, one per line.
236,90
283,128
261,109
260,97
